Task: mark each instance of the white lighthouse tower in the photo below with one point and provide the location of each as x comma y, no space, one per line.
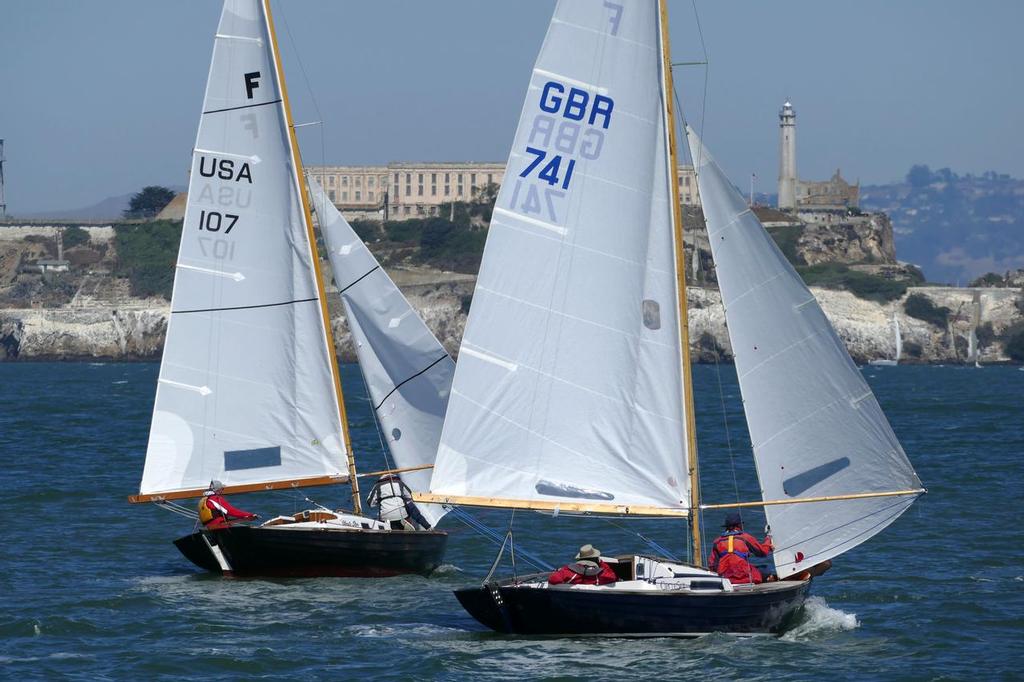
787,157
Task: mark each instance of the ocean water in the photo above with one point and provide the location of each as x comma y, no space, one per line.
92,588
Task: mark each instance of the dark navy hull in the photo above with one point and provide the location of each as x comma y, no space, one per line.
514,609
294,552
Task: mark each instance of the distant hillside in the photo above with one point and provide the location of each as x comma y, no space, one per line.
110,208
954,227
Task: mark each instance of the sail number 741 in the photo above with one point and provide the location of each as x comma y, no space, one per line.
214,221
549,173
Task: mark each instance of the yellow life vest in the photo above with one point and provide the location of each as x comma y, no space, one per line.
205,514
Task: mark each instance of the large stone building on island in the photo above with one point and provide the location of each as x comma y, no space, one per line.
404,190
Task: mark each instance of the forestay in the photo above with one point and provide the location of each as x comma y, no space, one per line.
569,383
407,371
246,392
816,428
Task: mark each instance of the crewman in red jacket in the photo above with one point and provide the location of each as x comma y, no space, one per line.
216,512
730,550
588,570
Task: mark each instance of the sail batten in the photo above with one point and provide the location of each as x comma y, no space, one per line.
569,380
830,466
246,368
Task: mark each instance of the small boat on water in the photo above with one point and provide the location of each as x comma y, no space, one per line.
249,391
573,392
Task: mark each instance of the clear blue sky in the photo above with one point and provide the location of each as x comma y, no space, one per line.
100,98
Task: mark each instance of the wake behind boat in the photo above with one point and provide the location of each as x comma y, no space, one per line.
249,391
573,392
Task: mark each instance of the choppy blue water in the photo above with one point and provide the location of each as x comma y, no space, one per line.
91,587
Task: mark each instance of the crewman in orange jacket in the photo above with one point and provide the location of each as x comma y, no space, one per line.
588,570
730,550
216,512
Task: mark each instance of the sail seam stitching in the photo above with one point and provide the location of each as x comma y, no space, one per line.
244,307
403,383
244,106
370,272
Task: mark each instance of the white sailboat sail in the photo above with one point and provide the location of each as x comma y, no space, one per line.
247,391
816,427
899,337
406,369
568,388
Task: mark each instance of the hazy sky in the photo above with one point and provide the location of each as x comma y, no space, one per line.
100,98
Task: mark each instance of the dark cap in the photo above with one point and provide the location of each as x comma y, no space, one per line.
733,519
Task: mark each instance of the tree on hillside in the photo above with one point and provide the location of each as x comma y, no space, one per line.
148,202
919,176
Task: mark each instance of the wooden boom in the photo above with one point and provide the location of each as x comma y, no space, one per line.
826,498
543,505
243,488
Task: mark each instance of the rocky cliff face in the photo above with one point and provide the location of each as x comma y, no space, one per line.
865,326
82,333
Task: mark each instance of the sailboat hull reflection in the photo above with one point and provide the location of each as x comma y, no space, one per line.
529,606
262,551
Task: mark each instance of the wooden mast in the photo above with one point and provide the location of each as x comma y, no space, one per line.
684,331
353,478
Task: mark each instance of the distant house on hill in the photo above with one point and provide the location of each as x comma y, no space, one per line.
174,210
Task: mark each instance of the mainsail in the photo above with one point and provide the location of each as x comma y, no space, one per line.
407,371
568,392
817,430
247,391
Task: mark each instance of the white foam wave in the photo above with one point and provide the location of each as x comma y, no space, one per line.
447,569
407,630
820,619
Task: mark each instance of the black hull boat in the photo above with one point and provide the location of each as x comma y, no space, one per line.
687,602
315,548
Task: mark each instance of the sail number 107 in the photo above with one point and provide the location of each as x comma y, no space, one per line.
214,221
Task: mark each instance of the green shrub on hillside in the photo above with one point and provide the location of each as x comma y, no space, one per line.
404,230
787,238
860,284
368,230
145,255
1015,342
922,308
74,236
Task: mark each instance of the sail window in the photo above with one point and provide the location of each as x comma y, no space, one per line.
258,458
566,490
396,434
652,314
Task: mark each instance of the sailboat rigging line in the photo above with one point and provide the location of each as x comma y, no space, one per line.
405,381
495,537
243,106
824,498
360,279
512,544
244,307
179,510
665,553
309,89
666,95
707,73
725,420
